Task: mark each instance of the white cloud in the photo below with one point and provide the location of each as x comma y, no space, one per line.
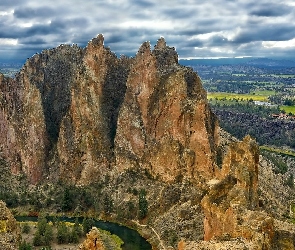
7,41
279,44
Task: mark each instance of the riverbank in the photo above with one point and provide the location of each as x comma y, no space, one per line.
128,234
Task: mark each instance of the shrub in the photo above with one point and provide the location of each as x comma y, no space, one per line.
26,228
25,246
62,233
143,204
87,224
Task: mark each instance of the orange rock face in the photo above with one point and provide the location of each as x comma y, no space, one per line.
231,205
93,241
165,124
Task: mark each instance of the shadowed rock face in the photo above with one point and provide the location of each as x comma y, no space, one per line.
23,136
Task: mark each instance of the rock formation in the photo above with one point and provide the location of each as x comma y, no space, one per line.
165,124
78,113
9,229
93,241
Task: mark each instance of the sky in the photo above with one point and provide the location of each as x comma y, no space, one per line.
196,28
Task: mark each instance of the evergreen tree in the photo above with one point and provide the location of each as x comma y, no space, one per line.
62,233
142,204
41,227
67,201
87,224
26,228
25,246
37,240
77,228
48,234
74,238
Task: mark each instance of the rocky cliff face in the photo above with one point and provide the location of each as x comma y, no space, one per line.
93,241
165,124
23,137
231,205
78,113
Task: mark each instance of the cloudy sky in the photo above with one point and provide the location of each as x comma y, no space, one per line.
198,29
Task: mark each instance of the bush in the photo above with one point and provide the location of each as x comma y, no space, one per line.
48,234
77,228
62,233
74,238
143,204
25,246
26,228
38,239
87,224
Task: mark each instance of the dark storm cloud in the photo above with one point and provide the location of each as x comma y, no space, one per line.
9,3
274,32
196,28
28,12
270,10
142,3
179,13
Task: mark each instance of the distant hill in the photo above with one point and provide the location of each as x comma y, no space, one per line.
250,61
266,62
214,62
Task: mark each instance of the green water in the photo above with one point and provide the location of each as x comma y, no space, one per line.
132,239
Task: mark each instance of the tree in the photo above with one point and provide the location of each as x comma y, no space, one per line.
107,204
41,227
62,233
37,240
74,238
142,204
87,224
48,234
67,201
26,228
25,246
77,228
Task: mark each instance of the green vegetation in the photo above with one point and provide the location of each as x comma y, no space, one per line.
281,165
44,233
87,224
111,241
25,246
241,97
26,228
63,234
288,109
280,151
142,204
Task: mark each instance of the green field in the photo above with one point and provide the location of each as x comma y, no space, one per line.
245,97
288,109
278,150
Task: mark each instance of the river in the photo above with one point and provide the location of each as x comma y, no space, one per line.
132,239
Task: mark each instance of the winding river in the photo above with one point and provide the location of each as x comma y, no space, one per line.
132,239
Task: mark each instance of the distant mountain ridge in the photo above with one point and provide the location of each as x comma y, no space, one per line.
257,62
